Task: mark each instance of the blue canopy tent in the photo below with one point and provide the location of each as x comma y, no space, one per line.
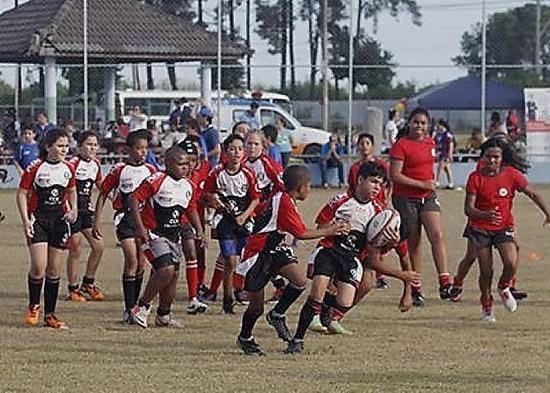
465,94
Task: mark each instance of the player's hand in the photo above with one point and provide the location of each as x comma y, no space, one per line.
393,236
96,233
241,219
411,277
340,228
142,234
28,229
71,216
217,202
200,242
429,185
496,217
405,303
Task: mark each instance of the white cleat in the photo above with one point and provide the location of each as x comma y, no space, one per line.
139,315
167,321
508,300
487,314
195,307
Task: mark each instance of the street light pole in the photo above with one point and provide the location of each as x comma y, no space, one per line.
538,33
483,66
324,65
85,49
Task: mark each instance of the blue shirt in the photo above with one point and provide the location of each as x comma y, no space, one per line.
41,131
340,150
211,137
25,154
251,119
283,140
275,153
151,158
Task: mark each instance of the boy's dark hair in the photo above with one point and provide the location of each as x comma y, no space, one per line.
189,146
152,123
192,139
391,114
193,123
237,124
230,139
173,152
295,176
509,155
49,139
270,132
85,135
370,137
372,169
134,136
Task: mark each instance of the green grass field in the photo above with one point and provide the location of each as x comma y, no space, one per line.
443,347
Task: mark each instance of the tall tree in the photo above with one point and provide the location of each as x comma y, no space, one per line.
510,40
371,9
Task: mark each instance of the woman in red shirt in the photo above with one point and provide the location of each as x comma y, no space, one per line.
488,205
411,170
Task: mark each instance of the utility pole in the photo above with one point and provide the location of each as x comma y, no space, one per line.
324,64
483,67
18,81
538,32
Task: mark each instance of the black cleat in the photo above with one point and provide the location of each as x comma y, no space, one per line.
228,308
250,347
418,299
279,324
240,297
518,294
455,294
444,291
294,346
382,283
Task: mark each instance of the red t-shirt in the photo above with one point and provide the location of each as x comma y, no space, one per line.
495,192
353,175
418,160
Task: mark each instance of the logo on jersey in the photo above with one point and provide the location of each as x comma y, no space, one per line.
503,192
67,175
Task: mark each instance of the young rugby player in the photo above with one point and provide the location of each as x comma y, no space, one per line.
47,204
124,179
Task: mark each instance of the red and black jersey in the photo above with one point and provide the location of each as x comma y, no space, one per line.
236,190
345,208
274,218
268,172
123,179
495,192
353,176
87,173
48,183
166,202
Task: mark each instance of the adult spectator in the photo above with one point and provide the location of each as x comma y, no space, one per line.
284,141
138,119
192,128
250,116
10,129
42,126
174,118
473,143
496,127
331,157
273,150
391,129
210,134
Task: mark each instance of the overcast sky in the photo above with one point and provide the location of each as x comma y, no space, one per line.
433,44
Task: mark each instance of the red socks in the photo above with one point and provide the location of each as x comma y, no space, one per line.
217,277
192,276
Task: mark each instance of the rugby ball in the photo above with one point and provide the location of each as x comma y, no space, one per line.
376,231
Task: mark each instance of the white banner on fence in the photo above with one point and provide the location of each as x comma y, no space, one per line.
537,123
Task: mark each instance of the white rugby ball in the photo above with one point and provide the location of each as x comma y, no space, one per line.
376,230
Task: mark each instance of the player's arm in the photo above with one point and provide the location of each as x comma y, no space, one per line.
241,219
375,262
472,212
141,232
72,213
332,229
21,200
18,167
539,201
397,176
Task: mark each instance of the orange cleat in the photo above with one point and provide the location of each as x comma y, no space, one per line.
91,292
51,321
31,314
76,296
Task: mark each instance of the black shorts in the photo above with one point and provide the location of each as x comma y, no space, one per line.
125,226
259,269
483,238
52,230
410,210
83,221
343,268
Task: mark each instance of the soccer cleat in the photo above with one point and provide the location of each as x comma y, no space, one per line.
518,294
240,297
382,283
249,346
444,291
209,297
75,296
455,293
508,299
92,292
195,307
51,321
167,321
336,327
279,324
127,317
418,299
228,308
487,313
203,290
140,314
316,325
294,346
277,293
31,314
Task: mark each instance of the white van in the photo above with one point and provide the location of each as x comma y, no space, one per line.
307,140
